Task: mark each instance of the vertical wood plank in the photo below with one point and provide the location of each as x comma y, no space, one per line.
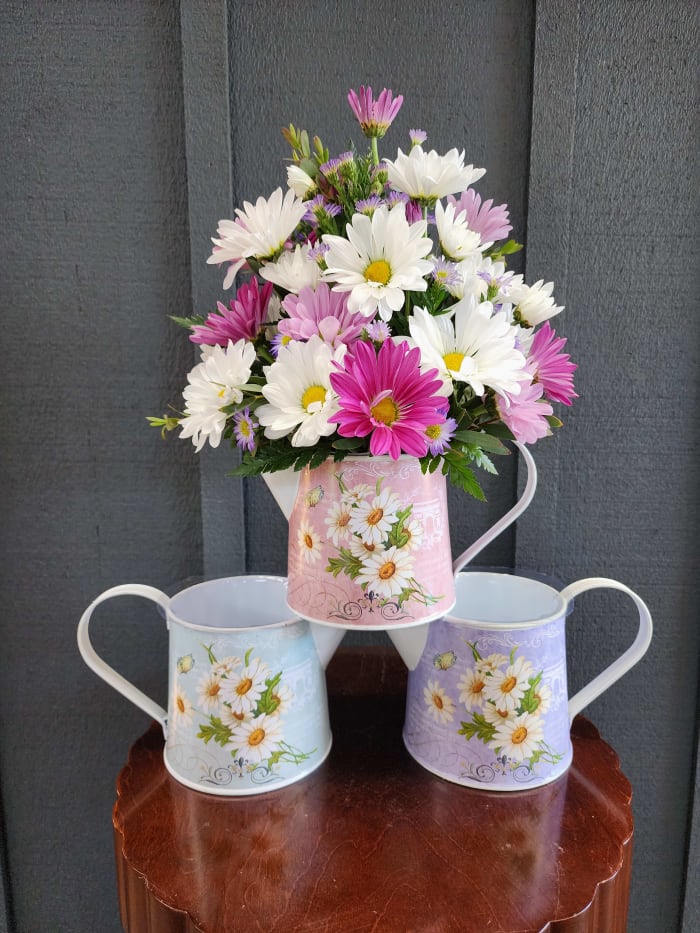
205,73
611,217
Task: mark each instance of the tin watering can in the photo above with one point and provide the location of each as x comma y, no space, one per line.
487,702
369,542
247,708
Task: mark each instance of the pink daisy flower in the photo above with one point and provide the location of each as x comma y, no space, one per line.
242,320
374,116
525,414
550,367
323,312
491,223
384,394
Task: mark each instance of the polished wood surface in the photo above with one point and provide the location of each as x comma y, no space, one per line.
371,841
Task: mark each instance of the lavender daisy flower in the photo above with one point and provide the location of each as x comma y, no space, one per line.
440,435
244,427
277,342
396,197
368,205
379,331
374,116
319,209
446,273
330,169
417,137
318,252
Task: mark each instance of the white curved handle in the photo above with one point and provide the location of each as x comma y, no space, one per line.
508,518
101,668
627,660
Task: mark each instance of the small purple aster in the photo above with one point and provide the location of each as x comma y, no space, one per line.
396,197
368,205
446,273
374,116
319,209
440,435
379,331
417,137
318,252
244,427
277,342
330,169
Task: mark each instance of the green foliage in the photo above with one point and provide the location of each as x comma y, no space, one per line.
478,727
188,322
346,563
216,730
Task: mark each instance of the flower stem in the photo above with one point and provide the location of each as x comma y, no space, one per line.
375,151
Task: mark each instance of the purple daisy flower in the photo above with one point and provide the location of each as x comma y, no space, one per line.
374,116
417,137
322,312
379,331
277,342
319,209
385,394
491,223
368,205
550,367
440,435
525,414
242,320
445,272
396,197
244,427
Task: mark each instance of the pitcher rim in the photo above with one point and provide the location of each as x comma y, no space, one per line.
558,615
228,629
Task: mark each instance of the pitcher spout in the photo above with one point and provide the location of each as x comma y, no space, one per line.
410,643
283,485
326,638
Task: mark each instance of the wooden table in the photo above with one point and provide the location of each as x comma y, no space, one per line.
371,841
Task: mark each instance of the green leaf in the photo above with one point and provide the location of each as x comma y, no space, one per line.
554,422
348,443
483,440
478,727
461,475
346,563
194,321
499,429
217,731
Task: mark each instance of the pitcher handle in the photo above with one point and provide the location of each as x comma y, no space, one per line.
627,660
508,518
101,668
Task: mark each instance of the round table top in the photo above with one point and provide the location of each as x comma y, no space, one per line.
373,842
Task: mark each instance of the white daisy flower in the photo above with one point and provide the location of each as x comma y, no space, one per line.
440,706
256,739
471,689
381,258
282,696
338,521
231,718
387,573
243,691
373,520
414,532
309,542
213,384
506,688
470,345
293,270
362,549
299,392
543,695
181,709
468,283
300,183
496,716
491,663
261,230
427,175
209,692
532,304
356,494
518,738
458,242
226,666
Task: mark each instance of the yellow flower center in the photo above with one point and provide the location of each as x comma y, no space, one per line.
385,411
244,428
508,685
519,735
378,271
374,517
256,737
213,689
343,519
453,361
433,432
244,686
477,687
314,395
180,703
387,570
308,541
437,700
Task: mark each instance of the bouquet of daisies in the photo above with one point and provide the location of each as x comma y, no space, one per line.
374,314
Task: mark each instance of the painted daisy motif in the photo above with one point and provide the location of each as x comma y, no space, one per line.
226,666
362,549
256,739
372,520
471,688
356,494
309,543
506,688
282,697
518,738
496,716
380,258
181,708
209,692
338,523
491,663
243,690
387,573
543,696
440,706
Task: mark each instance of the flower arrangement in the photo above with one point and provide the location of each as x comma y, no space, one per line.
376,315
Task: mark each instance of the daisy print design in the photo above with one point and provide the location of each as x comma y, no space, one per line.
506,700
309,543
240,706
440,706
